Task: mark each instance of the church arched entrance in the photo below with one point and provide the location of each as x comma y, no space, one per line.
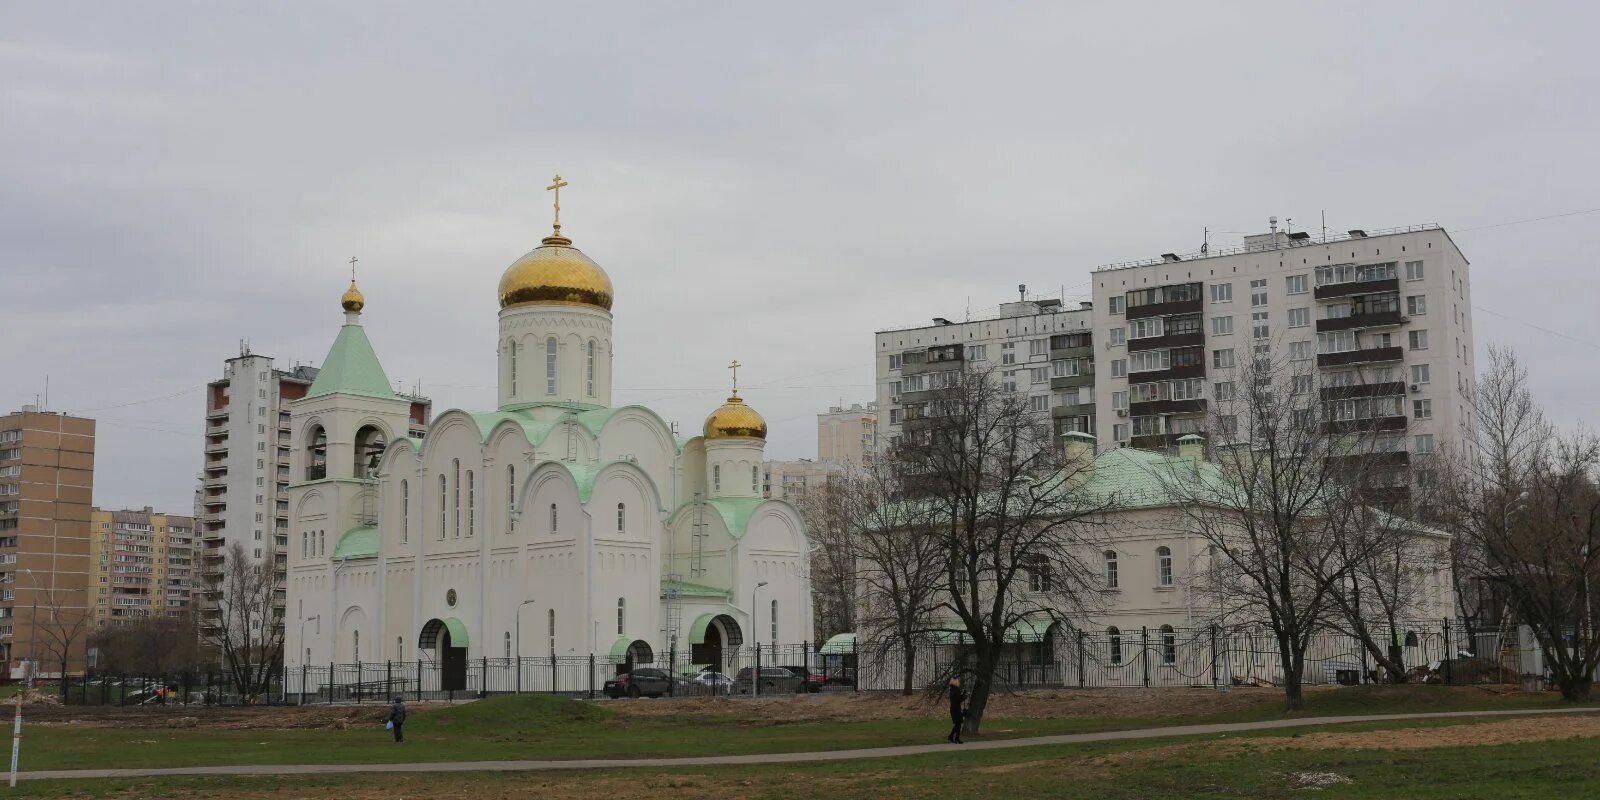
628,654
447,641
712,638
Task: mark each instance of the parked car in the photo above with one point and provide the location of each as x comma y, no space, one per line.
707,679
774,680
643,681
810,680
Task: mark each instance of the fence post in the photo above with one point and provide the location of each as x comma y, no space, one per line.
591,678
1144,652
1081,637
333,681
805,657
1213,656
755,677
672,665
552,672
1449,654
388,679
855,656
419,680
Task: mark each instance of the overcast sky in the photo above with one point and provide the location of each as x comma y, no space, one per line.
764,182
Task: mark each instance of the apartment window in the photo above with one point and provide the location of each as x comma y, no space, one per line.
1414,270
1146,426
894,416
1111,569
1113,640
1145,328
1419,340
1299,317
1299,351
1038,347
1008,353
1119,336
1337,342
1422,409
1419,373
1258,292
405,512
1222,390
1227,425
1258,324
1039,402
1149,360
1038,574
1416,305
1119,400
550,365
1115,304
261,447
1424,443
1221,292
894,390
1295,284
1222,359
1119,368
894,361
589,369
977,352
1039,375
1301,384
1163,566
1119,432
1221,326
1008,379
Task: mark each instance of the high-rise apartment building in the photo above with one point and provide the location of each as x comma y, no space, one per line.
46,487
847,435
243,489
1379,322
143,564
1037,347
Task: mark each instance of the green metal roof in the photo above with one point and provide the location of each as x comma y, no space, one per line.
458,632
695,589
359,542
351,368
736,512
840,644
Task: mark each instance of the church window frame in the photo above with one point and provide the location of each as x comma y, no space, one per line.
399,648
622,615
511,498
550,346
455,466
716,477
472,503
552,619
774,619
1114,640
508,644
555,519
405,511
755,479
622,518
444,505
511,350
355,646
589,369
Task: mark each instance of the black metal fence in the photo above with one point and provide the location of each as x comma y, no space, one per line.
1441,652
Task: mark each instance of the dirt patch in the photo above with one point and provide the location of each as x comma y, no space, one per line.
1527,729
196,716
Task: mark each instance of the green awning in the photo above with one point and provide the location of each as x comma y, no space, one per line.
359,542
840,644
619,650
697,631
1029,630
458,632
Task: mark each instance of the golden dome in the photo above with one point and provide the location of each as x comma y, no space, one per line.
555,272
735,420
352,300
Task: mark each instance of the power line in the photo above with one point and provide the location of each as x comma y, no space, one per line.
1557,334
1524,221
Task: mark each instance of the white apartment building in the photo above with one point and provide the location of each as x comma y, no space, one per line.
242,494
1382,321
1040,348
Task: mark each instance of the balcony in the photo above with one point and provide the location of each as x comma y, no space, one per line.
1167,407
1368,425
1159,441
213,448
1080,410
1169,374
1378,319
1373,355
1363,390
1330,291
218,482
1164,309
220,412
1170,340
1072,381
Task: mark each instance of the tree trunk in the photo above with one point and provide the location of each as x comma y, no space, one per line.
909,665
979,699
1293,669
1575,688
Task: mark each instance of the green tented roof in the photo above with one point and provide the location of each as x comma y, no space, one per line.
351,368
840,644
736,512
359,542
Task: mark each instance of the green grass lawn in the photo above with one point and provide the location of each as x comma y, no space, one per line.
543,727
1108,771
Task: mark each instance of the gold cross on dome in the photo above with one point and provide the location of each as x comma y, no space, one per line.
555,186
352,269
735,368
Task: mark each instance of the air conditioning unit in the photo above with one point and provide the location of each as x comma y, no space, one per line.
1122,412
1415,388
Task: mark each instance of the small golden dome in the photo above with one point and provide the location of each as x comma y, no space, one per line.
555,272
352,300
735,420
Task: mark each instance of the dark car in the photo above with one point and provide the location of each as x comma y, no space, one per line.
810,680
643,681
774,680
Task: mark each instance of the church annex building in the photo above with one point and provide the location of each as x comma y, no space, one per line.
554,525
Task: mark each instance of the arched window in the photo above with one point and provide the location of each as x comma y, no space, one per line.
444,504
316,454
716,477
1411,638
622,518
1163,566
1114,638
1111,569
511,497
308,655
755,480
399,648
512,350
322,543
405,512
550,365
305,540
472,503
554,520
455,468
622,615
355,646
369,446
589,370
552,631
774,622
508,644
1169,645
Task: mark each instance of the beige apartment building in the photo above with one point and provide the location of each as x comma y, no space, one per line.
46,487
143,565
847,435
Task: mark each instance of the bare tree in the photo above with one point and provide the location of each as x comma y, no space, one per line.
831,519
251,628
1524,502
150,646
1005,507
60,619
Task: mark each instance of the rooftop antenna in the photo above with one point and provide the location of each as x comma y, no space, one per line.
1205,242
1324,225
1272,224
1288,225
1022,289
969,308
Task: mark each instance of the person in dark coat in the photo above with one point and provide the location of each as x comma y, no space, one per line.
397,716
957,697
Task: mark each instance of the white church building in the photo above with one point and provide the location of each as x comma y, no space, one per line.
555,525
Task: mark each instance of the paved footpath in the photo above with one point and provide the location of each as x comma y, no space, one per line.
778,758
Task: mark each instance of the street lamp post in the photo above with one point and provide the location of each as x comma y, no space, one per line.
755,674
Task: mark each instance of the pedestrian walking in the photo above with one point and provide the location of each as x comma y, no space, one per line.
957,697
397,718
